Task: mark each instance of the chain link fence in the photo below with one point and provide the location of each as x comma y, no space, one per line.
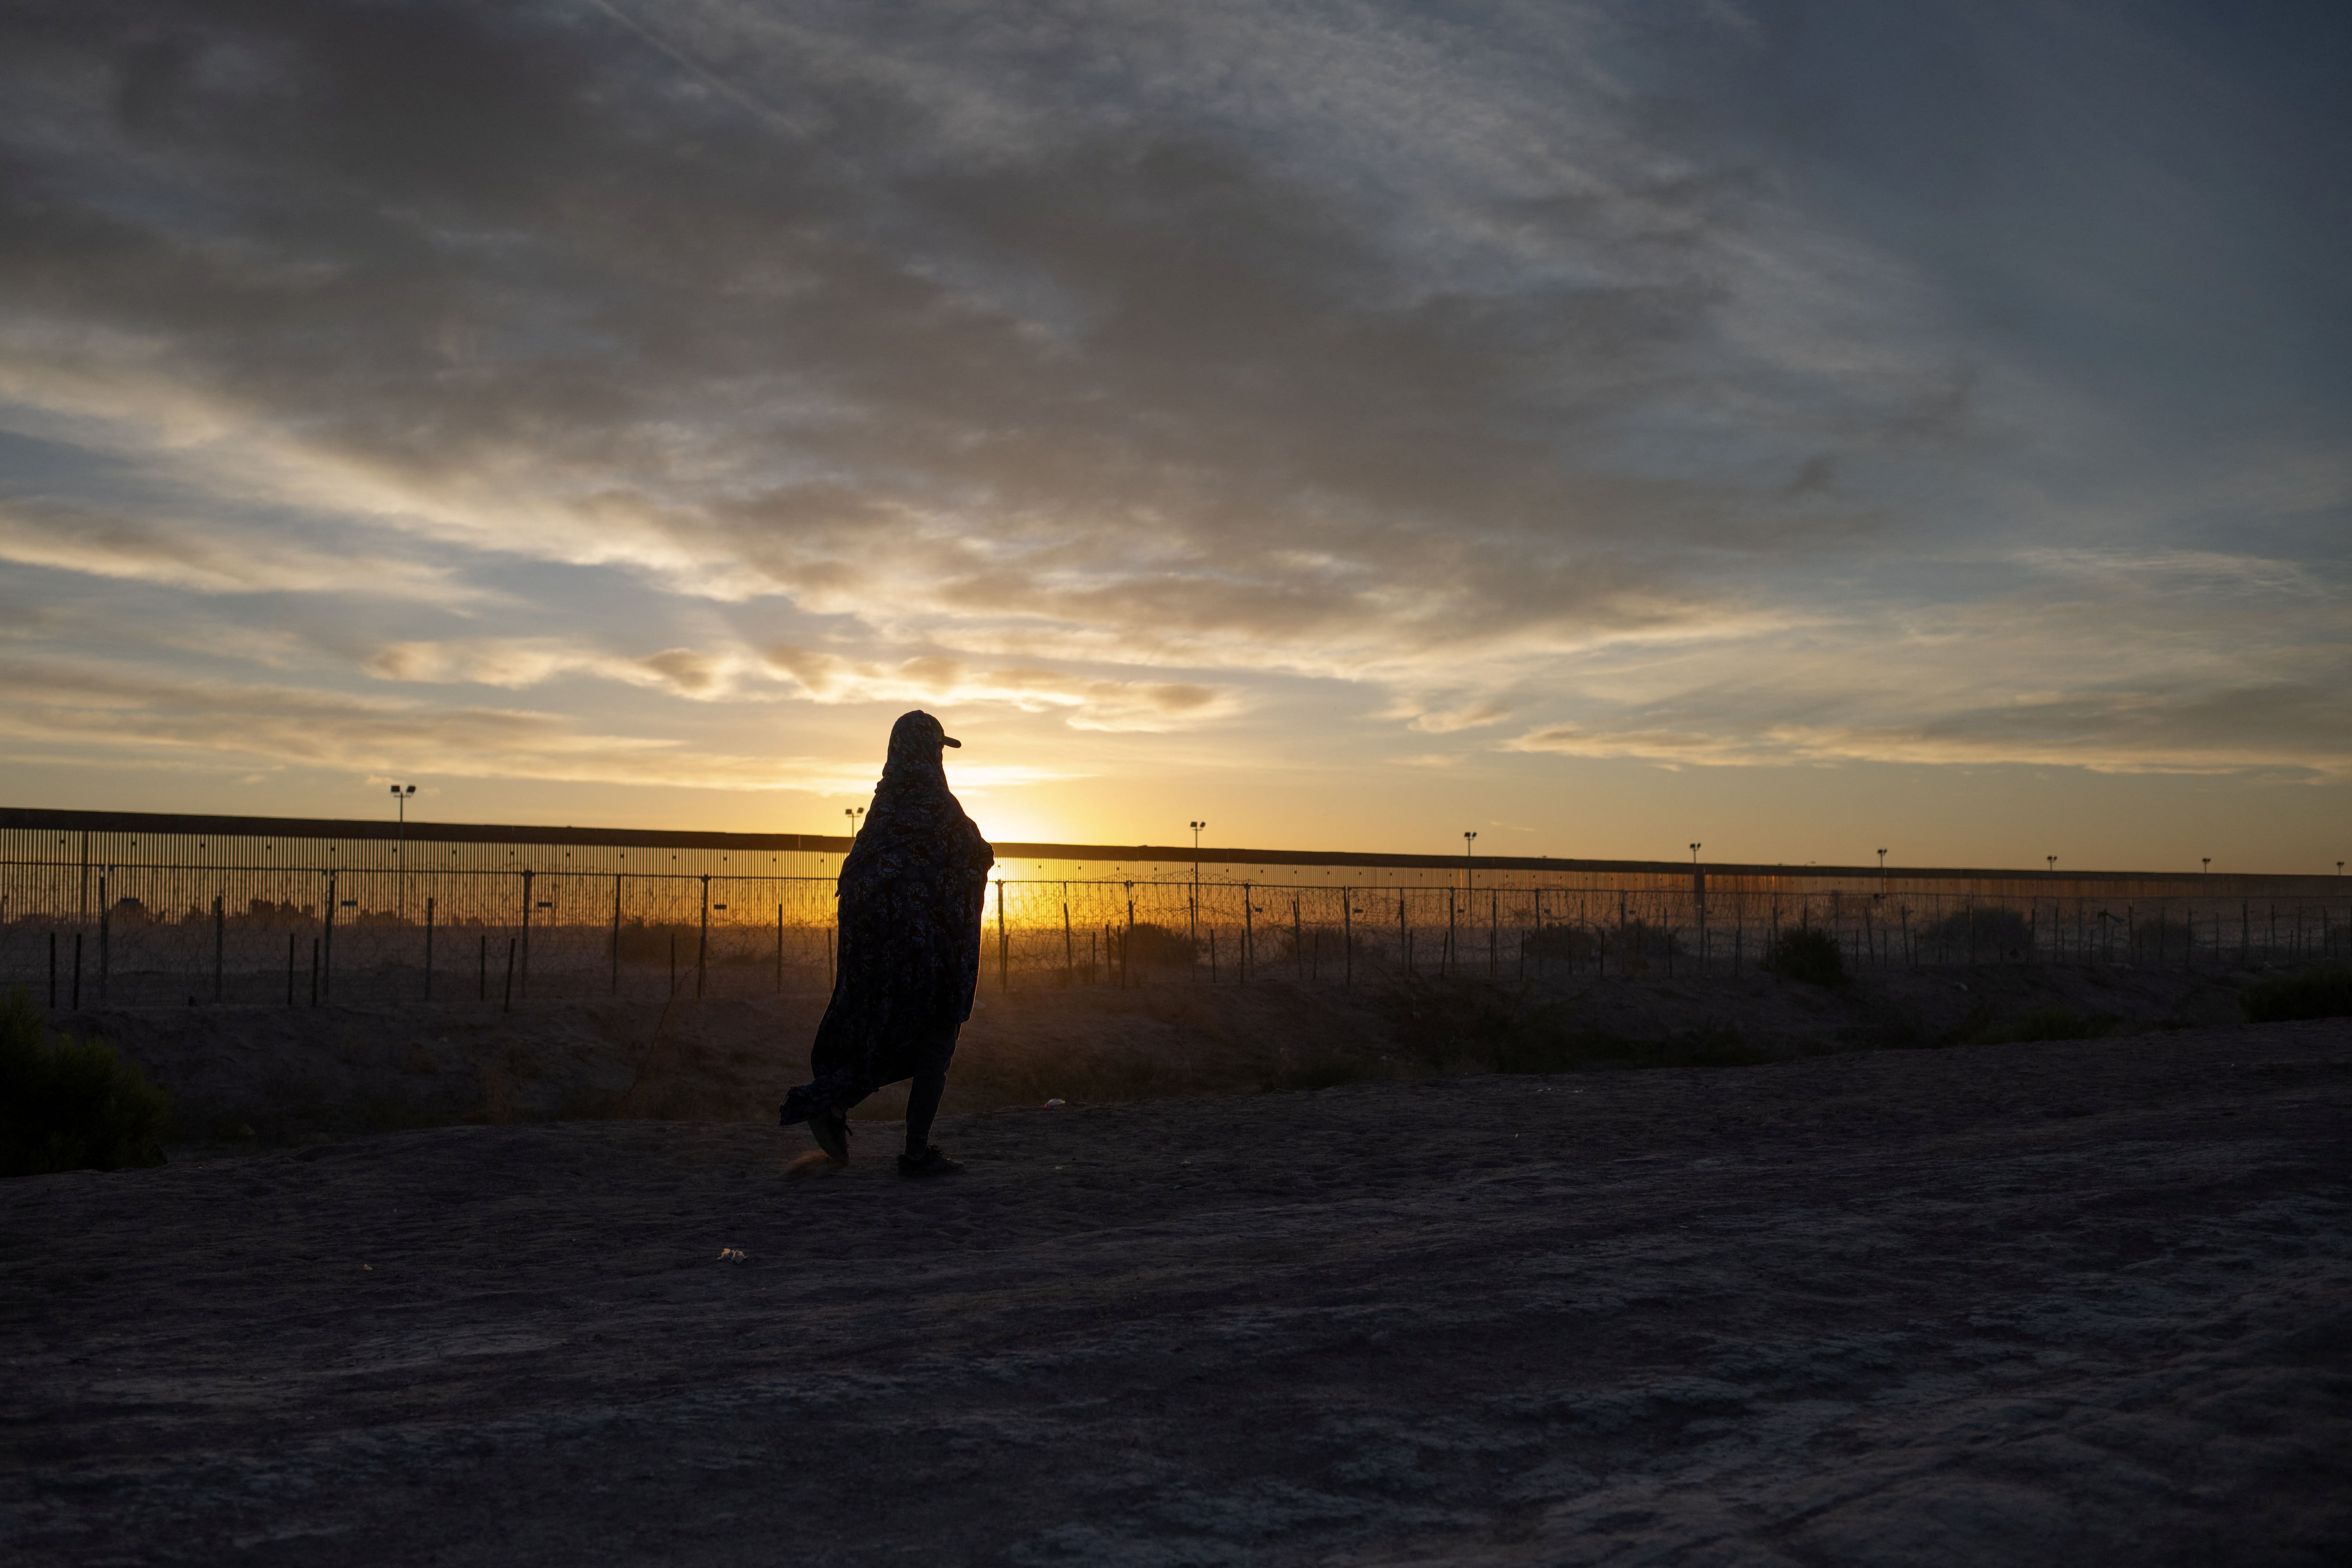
208,928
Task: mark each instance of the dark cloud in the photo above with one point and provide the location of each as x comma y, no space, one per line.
1413,348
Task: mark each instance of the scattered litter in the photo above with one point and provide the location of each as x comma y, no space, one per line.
730,1255
369,1266
1051,1103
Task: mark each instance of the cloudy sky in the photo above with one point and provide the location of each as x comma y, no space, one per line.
1800,427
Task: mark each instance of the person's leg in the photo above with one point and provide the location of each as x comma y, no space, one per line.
923,1106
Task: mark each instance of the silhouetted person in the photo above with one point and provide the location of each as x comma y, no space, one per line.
911,893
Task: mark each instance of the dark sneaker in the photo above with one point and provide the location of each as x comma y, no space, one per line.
831,1130
932,1164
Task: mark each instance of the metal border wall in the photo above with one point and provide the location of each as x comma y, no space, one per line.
137,909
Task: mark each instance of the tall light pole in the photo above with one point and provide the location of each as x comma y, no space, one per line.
1694,848
853,813
1196,916
2209,863
400,794
1469,883
2051,860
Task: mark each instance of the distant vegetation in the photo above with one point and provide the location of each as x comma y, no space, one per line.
1150,943
2325,992
1988,933
1806,953
68,1104
2040,1023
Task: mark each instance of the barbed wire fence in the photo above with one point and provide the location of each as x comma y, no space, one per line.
143,933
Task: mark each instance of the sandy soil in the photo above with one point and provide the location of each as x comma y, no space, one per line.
2083,1303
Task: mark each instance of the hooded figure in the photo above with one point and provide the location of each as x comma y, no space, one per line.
910,895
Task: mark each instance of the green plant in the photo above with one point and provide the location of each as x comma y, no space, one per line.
2042,1024
1808,953
2323,991
68,1104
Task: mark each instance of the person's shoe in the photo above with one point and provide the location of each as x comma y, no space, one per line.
830,1128
931,1163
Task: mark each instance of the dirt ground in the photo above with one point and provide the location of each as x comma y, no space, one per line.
2083,1302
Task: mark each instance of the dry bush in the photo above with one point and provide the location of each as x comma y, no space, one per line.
1806,953
2040,1023
68,1104
1987,933
2323,991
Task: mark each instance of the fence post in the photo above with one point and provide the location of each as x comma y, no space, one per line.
314,971
780,949
1003,958
1494,932
322,962
527,878
1069,945
1452,924
106,945
505,1004
1539,937
1127,948
616,934
77,983
1404,935
220,943
53,971
1297,942
290,969
1249,938
702,947
429,904
1348,929
482,976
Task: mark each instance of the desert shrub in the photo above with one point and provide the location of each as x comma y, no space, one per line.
1327,1070
1997,931
2324,992
651,942
2042,1024
1543,1041
68,1104
1571,944
1808,953
1150,942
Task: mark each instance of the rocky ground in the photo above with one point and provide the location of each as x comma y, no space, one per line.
2079,1302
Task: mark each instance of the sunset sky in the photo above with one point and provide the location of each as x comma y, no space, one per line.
1801,428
